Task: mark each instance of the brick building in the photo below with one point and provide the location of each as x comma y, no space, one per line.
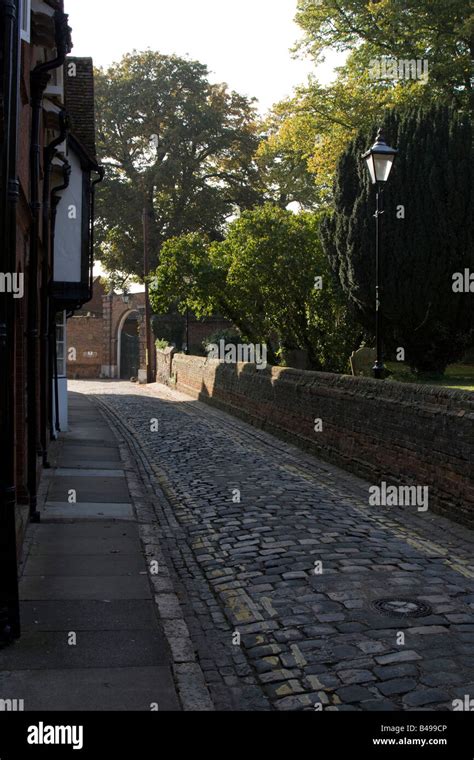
48,171
85,338
106,338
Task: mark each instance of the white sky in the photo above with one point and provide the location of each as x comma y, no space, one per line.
245,44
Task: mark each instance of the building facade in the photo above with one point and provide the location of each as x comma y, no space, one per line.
48,173
106,338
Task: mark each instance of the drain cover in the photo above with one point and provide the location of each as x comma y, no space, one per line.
402,607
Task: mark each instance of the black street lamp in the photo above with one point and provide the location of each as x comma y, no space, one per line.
187,330
379,160
188,282
144,164
149,351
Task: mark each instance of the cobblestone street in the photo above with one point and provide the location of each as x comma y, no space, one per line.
278,563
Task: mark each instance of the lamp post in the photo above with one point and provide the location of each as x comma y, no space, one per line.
379,160
146,267
187,330
144,163
188,281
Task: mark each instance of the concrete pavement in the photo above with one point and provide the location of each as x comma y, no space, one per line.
92,639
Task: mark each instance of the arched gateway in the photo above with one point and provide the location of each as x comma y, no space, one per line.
128,344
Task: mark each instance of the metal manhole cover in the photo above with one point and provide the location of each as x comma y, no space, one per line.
402,607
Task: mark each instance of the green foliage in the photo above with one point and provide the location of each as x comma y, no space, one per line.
175,144
161,344
283,165
230,337
186,277
432,180
262,278
440,31
457,376
318,123
117,282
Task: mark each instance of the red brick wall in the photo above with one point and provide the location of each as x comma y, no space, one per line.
403,434
94,330
85,336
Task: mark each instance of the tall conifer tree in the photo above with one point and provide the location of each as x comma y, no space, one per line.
427,235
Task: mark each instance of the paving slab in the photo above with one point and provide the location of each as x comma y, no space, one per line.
87,472
99,437
84,545
91,489
73,461
88,615
62,510
85,450
45,650
44,532
75,565
130,689
99,587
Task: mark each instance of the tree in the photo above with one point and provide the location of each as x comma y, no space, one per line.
439,31
283,165
320,121
317,124
427,235
269,278
175,144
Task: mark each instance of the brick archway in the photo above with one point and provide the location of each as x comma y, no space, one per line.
126,316
117,309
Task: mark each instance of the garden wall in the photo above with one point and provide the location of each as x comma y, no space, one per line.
404,434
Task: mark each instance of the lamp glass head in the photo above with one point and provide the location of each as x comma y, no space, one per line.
380,159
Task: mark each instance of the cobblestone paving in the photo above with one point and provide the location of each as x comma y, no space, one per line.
308,639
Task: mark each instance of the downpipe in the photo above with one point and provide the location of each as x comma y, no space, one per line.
46,278
39,81
9,195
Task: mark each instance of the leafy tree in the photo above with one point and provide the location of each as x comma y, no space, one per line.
175,144
440,31
283,165
320,121
263,278
427,235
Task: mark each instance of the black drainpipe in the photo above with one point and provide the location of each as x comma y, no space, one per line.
9,195
55,200
46,326
39,81
101,172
